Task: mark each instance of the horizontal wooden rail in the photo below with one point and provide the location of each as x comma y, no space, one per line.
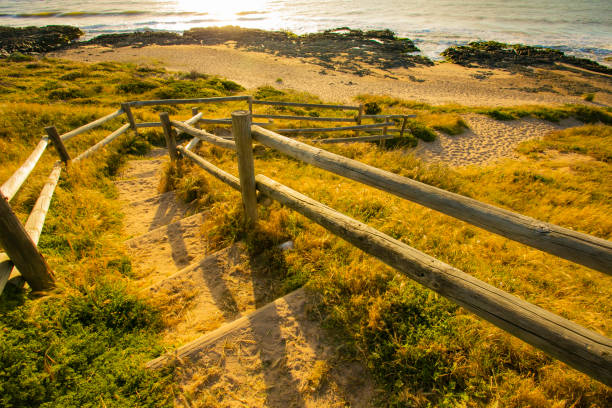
225,177
188,101
336,129
583,349
357,139
581,248
306,105
103,142
92,125
148,125
307,118
387,116
228,122
204,135
14,183
190,121
36,219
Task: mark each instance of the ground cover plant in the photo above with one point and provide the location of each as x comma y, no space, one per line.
85,344
424,350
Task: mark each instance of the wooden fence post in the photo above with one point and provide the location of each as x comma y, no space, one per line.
22,251
358,120
250,100
130,117
241,128
404,123
169,135
57,142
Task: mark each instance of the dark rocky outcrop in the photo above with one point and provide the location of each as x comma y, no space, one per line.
36,39
341,49
494,54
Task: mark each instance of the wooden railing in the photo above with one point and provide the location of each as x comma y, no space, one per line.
581,348
577,346
20,241
17,242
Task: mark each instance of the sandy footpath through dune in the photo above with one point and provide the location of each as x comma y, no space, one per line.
486,140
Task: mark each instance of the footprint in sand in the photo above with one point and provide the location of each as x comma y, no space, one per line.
486,140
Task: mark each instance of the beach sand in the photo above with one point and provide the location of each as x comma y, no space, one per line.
442,83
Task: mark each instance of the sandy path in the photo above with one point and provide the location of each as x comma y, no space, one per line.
442,83
270,354
486,140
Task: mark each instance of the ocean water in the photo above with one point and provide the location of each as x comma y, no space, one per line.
578,27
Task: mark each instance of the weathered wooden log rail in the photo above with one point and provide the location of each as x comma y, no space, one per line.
583,349
577,346
40,278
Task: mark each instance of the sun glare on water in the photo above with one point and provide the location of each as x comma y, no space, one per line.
222,8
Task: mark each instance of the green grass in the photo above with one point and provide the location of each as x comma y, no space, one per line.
422,349
586,114
85,344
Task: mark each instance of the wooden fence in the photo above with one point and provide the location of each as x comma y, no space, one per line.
583,349
577,346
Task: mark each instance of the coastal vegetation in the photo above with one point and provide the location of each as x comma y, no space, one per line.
494,54
86,343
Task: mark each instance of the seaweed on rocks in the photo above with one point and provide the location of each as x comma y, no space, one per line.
341,49
494,54
29,40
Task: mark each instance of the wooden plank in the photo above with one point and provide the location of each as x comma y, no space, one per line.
36,219
169,135
306,118
58,143
372,138
241,129
69,135
306,105
204,135
583,349
581,248
22,251
103,142
336,129
188,101
225,177
14,183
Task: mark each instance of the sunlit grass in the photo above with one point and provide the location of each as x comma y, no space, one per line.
422,349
